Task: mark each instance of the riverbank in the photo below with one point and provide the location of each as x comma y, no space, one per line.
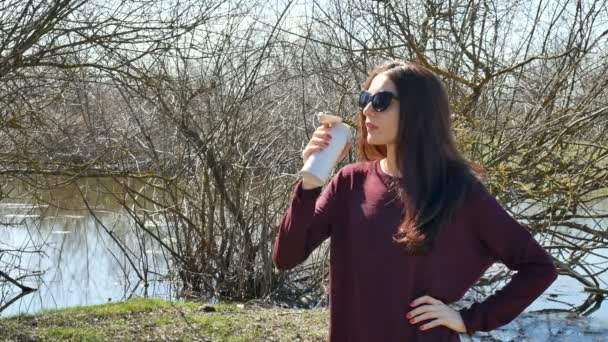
158,320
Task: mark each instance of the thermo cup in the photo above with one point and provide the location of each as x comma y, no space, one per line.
317,168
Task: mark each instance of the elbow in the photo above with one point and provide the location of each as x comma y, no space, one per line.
547,270
547,276
282,262
281,266
542,275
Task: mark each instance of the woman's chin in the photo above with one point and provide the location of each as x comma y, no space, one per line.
373,140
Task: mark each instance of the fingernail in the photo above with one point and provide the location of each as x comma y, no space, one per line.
408,315
422,328
412,321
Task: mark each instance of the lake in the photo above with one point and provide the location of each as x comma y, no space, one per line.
79,263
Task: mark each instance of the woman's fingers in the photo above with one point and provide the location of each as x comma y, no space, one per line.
425,300
316,142
322,132
423,309
319,141
436,311
322,135
310,150
432,324
425,316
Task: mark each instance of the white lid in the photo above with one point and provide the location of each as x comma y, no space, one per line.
328,118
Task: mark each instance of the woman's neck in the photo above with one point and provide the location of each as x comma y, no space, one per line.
389,164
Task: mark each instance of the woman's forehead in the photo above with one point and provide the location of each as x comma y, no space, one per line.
381,82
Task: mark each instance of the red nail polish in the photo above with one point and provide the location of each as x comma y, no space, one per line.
422,328
408,316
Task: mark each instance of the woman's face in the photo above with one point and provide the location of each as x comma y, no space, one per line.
382,127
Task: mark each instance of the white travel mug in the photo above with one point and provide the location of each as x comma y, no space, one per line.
317,168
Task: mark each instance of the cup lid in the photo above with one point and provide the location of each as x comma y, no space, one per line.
328,118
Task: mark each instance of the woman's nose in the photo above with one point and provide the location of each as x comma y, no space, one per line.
368,109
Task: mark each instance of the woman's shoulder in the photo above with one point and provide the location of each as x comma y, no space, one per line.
351,174
360,168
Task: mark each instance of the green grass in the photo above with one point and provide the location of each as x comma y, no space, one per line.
154,319
78,334
222,328
131,306
164,320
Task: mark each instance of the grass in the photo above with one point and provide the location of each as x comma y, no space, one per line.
158,320
70,334
120,308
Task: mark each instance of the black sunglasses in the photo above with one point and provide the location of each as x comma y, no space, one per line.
380,100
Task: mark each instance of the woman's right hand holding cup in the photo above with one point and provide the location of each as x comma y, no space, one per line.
319,141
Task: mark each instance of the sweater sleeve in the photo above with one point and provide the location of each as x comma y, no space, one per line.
512,244
306,224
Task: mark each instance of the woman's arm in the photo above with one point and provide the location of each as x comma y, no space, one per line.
306,223
513,245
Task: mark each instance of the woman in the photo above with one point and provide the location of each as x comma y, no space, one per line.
411,226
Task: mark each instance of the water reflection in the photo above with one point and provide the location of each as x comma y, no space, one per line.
78,263
566,290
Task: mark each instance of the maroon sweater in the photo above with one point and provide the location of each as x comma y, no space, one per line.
372,279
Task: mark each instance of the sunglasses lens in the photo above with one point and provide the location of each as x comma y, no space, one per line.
381,101
364,98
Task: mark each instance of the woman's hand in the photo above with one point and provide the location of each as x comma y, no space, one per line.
319,141
436,310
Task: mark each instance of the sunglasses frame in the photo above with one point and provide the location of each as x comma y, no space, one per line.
371,98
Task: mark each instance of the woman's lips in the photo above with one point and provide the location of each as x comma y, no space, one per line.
370,127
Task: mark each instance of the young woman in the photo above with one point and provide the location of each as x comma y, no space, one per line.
411,226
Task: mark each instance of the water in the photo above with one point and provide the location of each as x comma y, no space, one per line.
569,290
80,263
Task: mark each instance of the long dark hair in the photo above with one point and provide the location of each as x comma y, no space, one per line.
435,178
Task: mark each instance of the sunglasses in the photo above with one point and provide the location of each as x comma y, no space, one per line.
380,100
